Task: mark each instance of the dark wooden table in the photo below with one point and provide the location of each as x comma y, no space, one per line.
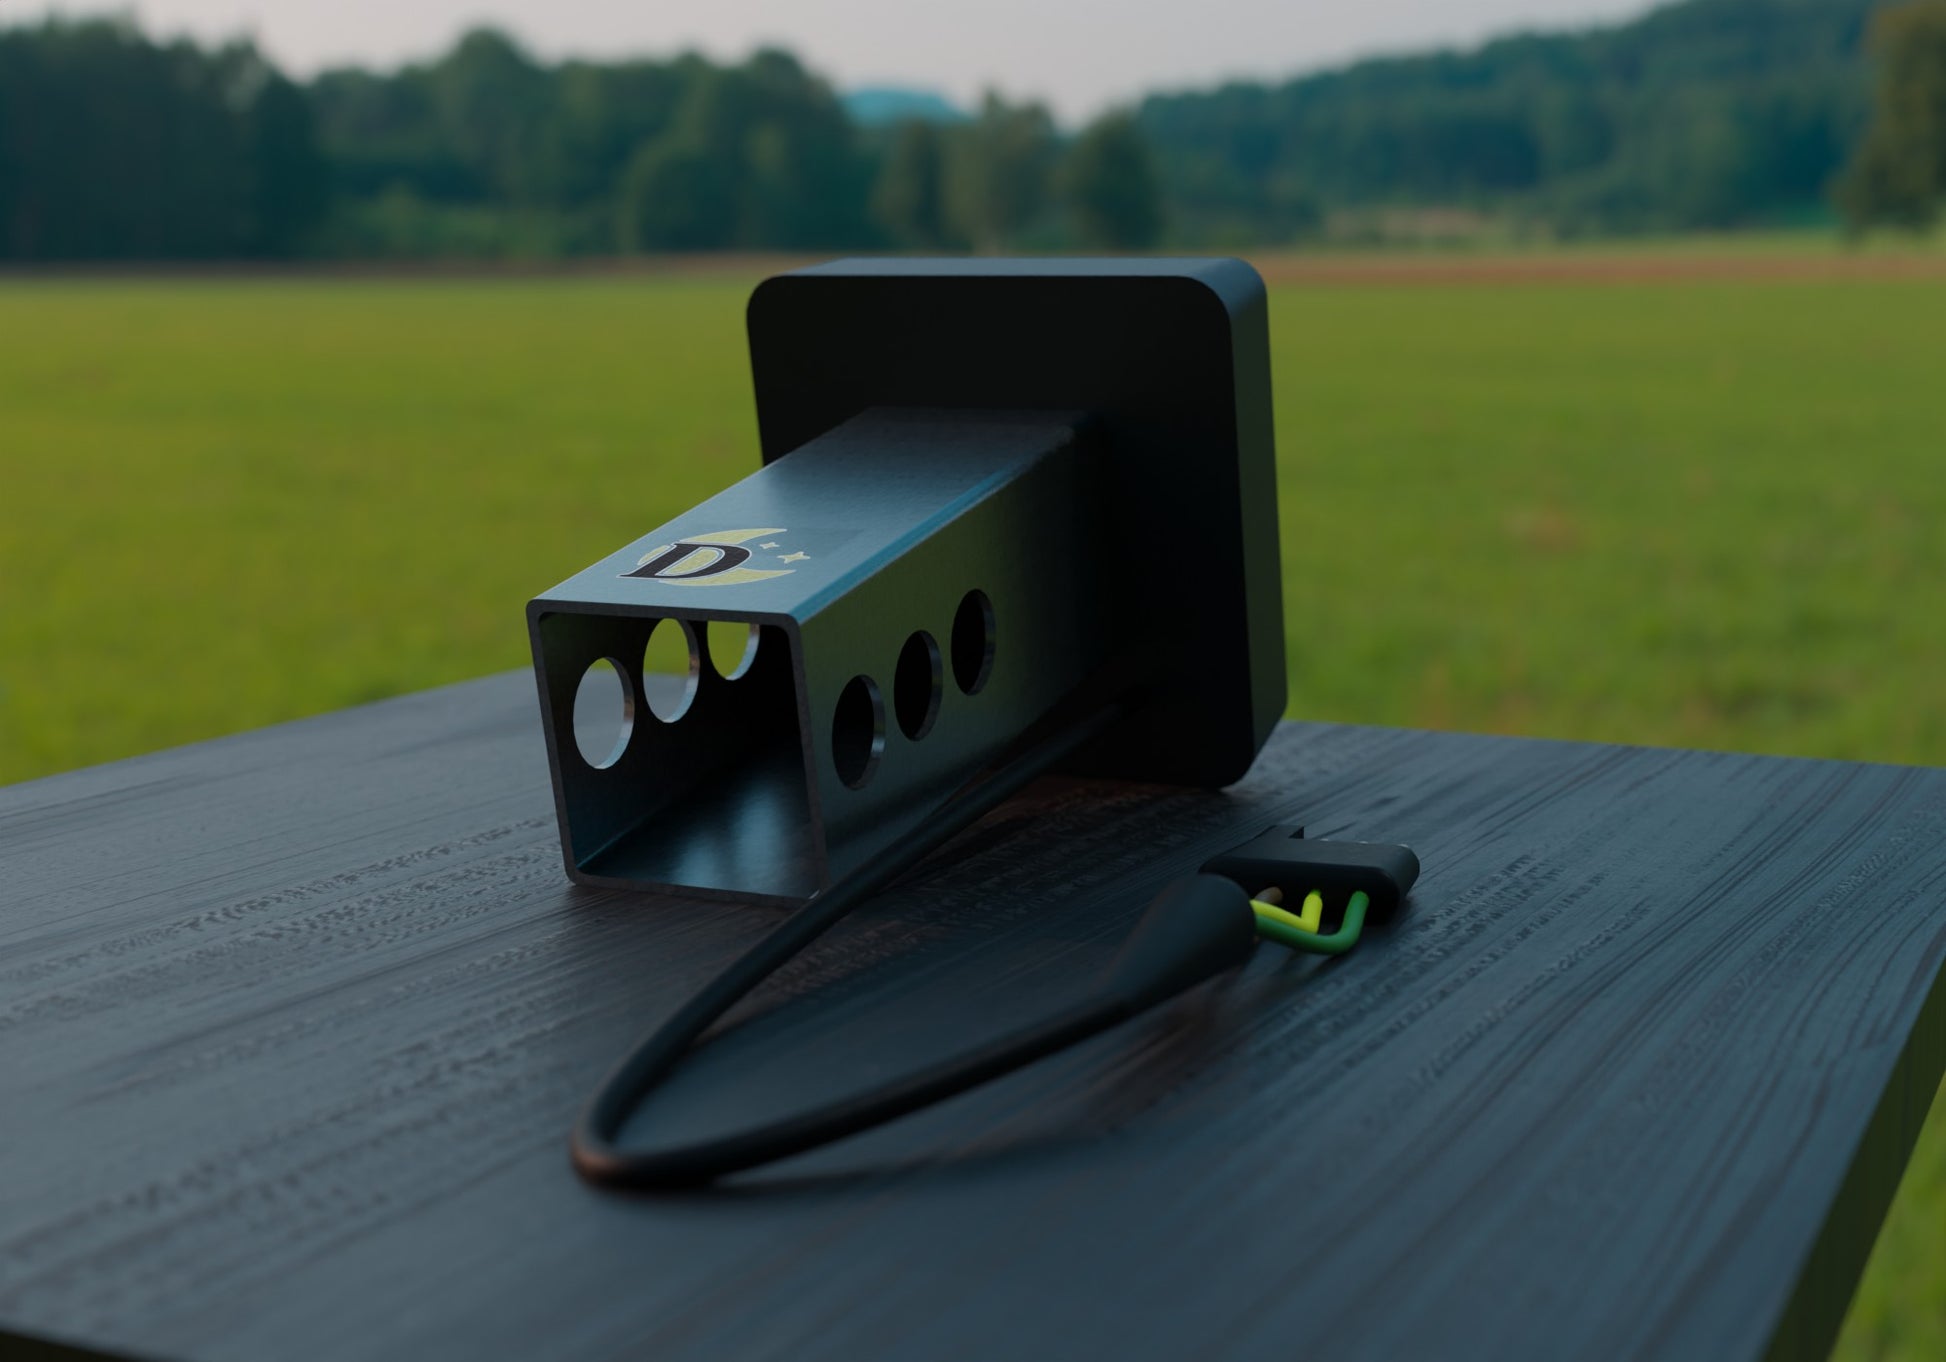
292,1026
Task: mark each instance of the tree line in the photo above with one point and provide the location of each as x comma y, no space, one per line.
1898,174
113,146
1707,113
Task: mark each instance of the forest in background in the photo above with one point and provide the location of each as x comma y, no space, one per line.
1704,114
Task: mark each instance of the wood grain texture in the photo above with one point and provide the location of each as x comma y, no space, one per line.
292,1026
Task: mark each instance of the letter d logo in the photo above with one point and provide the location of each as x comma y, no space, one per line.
715,559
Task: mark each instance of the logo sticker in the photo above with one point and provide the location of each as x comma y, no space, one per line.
720,558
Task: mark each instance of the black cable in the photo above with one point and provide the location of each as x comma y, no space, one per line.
597,1156
707,1160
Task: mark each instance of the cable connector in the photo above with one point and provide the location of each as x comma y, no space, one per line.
1284,859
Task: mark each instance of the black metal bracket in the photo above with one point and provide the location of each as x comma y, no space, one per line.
989,488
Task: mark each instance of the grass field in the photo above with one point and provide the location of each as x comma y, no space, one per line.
1669,508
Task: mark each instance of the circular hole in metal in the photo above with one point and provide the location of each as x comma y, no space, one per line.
858,731
973,642
671,667
604,713
732,647
916,685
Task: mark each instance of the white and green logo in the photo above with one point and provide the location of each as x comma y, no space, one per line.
720,558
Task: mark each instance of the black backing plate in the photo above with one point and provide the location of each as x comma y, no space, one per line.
1172,356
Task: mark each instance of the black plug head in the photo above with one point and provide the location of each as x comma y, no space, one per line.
1295,865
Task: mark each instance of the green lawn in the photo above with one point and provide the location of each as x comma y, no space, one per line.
1704,514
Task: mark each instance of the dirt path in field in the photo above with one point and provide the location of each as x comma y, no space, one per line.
1592,268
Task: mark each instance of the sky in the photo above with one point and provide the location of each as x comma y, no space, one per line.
1079,56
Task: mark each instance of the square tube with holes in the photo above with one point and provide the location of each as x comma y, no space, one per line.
922,586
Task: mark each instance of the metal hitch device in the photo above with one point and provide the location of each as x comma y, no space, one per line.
994,493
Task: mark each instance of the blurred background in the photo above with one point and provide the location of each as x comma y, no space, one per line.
362,130
1608,341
